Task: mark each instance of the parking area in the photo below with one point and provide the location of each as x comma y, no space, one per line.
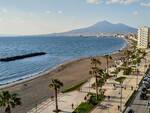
141,102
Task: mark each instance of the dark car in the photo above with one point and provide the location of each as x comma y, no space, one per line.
130,111
143,96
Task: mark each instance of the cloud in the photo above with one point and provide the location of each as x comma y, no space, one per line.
93,1
3,10
145,4
59,12
48,12
30,14
125,2
135,13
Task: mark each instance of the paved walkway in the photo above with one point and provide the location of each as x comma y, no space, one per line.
76,97
112,105
138,105
65,101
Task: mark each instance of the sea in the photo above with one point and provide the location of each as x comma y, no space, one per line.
59,50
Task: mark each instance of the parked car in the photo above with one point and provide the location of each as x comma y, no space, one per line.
144,90
146,79
131,111
143,96
146,86
148,76
146,82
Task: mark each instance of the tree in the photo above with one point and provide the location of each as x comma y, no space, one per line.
94,73
56,85
108,57
120,80
144,53
127,53
9,101
102,79
95,63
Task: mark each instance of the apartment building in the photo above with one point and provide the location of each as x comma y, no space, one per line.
143,37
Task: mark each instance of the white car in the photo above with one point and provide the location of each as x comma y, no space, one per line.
147,78
145,82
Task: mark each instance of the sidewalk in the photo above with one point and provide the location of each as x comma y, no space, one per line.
76,97
138,105
65,101
111,106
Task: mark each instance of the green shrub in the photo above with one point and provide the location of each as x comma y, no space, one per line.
116,71
127,71
93,99
86,107
73,87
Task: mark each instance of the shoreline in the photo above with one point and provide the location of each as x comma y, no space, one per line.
34,91
56,68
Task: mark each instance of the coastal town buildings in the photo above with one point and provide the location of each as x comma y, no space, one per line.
143,37
132,37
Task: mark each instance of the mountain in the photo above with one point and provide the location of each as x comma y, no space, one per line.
101,27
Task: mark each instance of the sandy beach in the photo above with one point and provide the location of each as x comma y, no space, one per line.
35,91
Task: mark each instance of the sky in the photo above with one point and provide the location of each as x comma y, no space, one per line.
28,17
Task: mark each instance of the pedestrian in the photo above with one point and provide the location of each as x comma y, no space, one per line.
85,98
124,87
148,105
118,108
131,87
114,86
80,89
52,98
72,106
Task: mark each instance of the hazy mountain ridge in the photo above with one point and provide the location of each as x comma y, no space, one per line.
101,27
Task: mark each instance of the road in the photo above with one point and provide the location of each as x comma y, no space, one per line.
138,105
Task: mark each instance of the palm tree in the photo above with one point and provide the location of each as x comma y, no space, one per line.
9,101
134,47
108,57
95,62
56,84
94,72
136,61
120,80
102,79
127,53
144,53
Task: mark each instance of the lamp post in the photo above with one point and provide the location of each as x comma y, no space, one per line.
89,85
137,74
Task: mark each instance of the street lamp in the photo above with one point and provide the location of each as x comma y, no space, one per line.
137,74
89,85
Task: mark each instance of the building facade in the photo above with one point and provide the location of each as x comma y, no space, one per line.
143,37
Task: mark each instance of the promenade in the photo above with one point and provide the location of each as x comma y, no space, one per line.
66,100
138,105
